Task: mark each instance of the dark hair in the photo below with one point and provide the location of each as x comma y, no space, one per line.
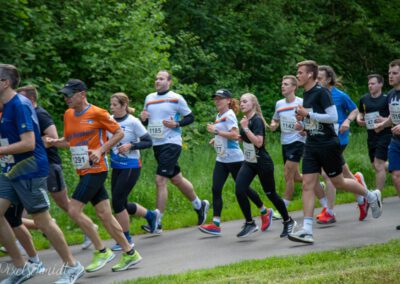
9,72
30,92
331,75
378,77
311,66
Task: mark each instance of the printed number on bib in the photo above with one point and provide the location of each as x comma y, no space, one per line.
370,119
219,146
156,129
80,157
7,159
395,113
287,124
249,152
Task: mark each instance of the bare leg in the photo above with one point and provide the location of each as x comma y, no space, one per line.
184,186
380,173
162,192
25,238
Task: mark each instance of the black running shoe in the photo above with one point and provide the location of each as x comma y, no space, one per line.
157,231
288,227
202,212
247,229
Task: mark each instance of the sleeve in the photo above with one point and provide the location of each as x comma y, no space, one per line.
107,121
138,127
326,99
349,104
25,118
45,120
258,127
276,114
231,122
183,107
361,106
330,115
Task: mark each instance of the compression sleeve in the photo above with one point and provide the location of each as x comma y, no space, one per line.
188,119
330,116
145,142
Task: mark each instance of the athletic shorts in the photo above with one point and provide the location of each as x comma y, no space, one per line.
394,155
293,151
167,156
378,147
327,157
55,180
91,188
13,215
342,148
30,193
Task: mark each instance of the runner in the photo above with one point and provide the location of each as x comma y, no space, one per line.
322,149
126,164
85,127
229,159
393,99
162,115
25,169
257,162
373,108
292,140
347,112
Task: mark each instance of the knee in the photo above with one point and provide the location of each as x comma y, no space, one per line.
177,180
74,213
161,182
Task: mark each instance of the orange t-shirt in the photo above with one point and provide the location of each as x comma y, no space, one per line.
87,131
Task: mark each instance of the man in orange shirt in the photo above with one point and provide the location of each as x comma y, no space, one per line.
85,127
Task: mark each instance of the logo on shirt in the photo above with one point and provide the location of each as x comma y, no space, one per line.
23,125
88,121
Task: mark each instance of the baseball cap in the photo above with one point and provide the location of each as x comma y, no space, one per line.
222,93
73,86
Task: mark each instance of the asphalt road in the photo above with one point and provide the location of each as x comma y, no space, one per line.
187,249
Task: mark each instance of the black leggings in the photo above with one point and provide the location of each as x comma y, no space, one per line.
265,172
220,175
122,182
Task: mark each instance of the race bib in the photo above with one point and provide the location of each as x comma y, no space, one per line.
309,123
156,129
287,124
370,119
336,127
219,146
7,159
395,113
80,157
249,152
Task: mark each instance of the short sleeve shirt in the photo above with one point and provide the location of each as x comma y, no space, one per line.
88,128
256,125
371,108
394,108
164,107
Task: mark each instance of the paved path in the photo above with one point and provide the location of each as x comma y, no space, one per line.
185,249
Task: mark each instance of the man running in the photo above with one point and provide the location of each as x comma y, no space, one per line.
23,181
85,127
322,149
162,115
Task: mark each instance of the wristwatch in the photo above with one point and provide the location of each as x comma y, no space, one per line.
216,131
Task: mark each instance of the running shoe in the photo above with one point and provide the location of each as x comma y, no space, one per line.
117,247
322,213
86,241
247,230
153,220
127,261
376,205
202,212
360,178
288,227
20,275
266,219
363,209
276,216
301,236
39,265
158,231
326,218
70,274
211,229
100,260
398,227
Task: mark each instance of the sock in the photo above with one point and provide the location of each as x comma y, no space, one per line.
217,221
196,203
371,197
131,252
308,224
263,210
360,199
330,211
128,236
102,250
324,202
34,259
287,202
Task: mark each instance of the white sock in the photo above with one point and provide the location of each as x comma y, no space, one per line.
324,202
34,259
196,203
287,202
360,199
308,224
217,219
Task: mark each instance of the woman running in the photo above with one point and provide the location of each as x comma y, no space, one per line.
126,164
229,159
257,162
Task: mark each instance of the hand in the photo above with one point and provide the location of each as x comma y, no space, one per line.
361,122
380,119
303,133
171,123
211,141
144,115
298,126
345,126
244,122
301,111
396,130
95,155
210,128
378,127
124,148
48,141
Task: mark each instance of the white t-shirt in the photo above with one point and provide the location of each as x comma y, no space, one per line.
285,113
133,130
163,108
228,151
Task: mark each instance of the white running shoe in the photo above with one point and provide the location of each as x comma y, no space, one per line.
376,205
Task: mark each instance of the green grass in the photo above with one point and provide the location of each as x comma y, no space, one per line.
197,165
370,264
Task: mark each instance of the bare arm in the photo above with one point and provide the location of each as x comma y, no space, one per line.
274,125
26,144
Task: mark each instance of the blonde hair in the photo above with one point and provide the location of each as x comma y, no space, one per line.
123,99
256,105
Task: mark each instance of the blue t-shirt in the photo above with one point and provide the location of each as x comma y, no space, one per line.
19,117
344,106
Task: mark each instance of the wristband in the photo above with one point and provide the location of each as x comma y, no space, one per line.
246,129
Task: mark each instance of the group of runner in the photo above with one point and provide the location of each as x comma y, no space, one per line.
315,129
